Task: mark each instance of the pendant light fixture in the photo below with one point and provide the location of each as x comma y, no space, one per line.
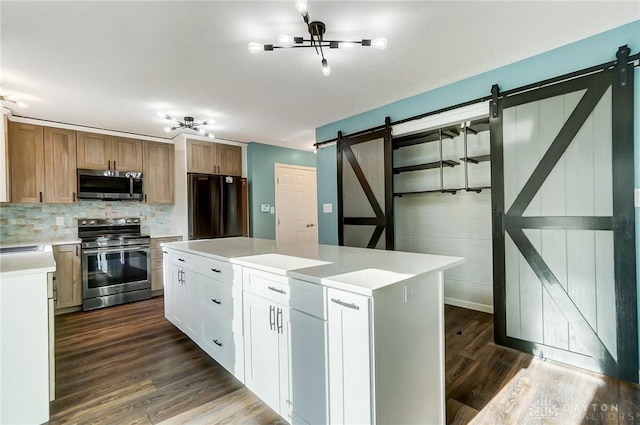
316,39
188,124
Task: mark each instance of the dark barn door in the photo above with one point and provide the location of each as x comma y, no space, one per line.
365,195
563,222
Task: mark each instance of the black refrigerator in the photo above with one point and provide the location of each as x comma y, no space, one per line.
217,206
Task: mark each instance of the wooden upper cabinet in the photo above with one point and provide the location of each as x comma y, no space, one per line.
126,154
230,160
102,152
201,157
26,163
94,151
60,183
42,164
158,173
213,158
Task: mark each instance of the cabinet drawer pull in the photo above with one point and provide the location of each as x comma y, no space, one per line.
218,343
216,270
181,259
344,304
216,301
40,196
114,165
108,164
279,291
77,247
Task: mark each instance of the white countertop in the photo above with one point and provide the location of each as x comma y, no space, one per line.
358,270
24,263
8,242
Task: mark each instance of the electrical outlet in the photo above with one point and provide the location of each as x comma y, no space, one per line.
264,208
273,210
59,221
327,208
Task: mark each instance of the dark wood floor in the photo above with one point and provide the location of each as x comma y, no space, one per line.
128,365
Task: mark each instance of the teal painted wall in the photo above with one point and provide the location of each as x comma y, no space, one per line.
261,160
327,194
591,51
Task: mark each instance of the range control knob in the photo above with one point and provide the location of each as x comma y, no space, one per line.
83,222
128,220
92,222
136,221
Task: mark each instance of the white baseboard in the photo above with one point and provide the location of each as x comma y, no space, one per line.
469,304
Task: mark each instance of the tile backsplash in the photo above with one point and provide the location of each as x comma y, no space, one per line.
25,222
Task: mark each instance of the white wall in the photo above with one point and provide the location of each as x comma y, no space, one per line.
446,224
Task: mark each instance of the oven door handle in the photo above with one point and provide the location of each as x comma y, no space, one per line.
115,249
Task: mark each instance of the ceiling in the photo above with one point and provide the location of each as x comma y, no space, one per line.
115,64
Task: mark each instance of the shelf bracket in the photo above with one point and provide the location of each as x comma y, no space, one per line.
623,59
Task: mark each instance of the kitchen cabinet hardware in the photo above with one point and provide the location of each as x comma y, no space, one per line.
108,164
114,165
344,304
213,300
40,196
218,343
279,320
272,319
145,197
181,259
74,197
279,291
77,251
215,270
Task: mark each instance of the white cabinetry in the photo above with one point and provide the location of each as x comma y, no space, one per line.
266,342
349,358
200,301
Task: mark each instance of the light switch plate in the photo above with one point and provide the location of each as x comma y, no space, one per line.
637,197
59,221
264,208
327,208
273,210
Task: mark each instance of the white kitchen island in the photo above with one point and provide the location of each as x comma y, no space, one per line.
321,333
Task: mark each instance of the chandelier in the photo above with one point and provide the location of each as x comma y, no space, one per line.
187,123
13,99
316,32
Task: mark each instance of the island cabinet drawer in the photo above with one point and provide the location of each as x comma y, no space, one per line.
268,285
215,297
216,339
182,259
215,269
308,298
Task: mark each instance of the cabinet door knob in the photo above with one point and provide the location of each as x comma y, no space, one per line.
216,301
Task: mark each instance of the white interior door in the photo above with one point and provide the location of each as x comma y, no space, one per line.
296,203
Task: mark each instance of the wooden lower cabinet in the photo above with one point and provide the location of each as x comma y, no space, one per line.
68,281
157,269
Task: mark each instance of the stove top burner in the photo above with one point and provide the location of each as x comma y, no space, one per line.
111,232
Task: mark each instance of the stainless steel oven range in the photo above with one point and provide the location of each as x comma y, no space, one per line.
116,262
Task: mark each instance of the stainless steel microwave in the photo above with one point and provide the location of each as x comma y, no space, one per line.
110,185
